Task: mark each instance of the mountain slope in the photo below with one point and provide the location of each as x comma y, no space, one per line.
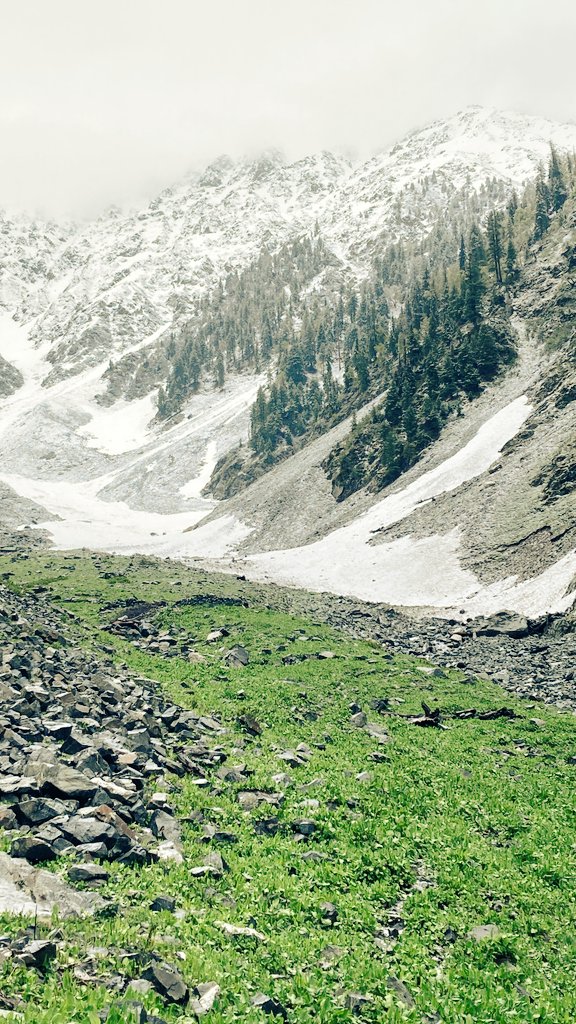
97,324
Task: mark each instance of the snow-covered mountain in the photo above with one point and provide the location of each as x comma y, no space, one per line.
74,298
96,290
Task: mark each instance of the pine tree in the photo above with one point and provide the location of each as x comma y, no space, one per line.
556,185
542,212
494,229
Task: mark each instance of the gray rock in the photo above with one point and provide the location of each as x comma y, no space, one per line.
87,873
163,903
203,998
269,1005
168,982
237,657
32,849
30,891
38,954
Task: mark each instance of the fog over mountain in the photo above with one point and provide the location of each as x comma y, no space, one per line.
108,103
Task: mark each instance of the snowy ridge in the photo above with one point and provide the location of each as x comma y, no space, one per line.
96,290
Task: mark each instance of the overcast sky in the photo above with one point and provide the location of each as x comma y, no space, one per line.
106,101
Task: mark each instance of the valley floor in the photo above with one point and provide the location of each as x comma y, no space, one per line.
345,855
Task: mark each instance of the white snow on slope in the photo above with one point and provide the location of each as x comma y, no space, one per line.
422,572
120,428
354,560
88,521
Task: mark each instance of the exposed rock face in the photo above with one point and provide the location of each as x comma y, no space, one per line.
10,378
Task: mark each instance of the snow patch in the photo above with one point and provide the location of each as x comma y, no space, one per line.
121,428
420,572
194,487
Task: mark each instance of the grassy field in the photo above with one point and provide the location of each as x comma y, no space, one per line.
448,855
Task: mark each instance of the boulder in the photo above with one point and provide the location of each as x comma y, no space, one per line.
28,890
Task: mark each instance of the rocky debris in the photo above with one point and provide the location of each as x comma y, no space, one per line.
38,954
217,634
27,951
329,914
236,930
268,1005
138,627
249,724
505,624
80,744
203,998
539,666
163,903
237,657
87,873
484,931
35,892
356,1002
401,992
168,982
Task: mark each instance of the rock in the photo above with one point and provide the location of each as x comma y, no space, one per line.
165,826
329,913
217,634
304,826
8,820
356,1001
168,982
28,890
292,758
328,955
359,720
37,810
87,873
377,732
234,930
38,954
249,724
79,829
34,850
213,865
62,781
267,826
401,992
203,998
269,1005
502,624
168,851
237,657
484,931
163,903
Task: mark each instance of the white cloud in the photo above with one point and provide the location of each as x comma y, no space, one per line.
106,102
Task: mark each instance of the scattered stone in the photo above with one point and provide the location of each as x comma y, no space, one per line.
402,993
38,954
484,931
35,851
30,891
356,1001
269,1005
235,930
203,998
87,873
163,903
249,724
237,657
168,982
